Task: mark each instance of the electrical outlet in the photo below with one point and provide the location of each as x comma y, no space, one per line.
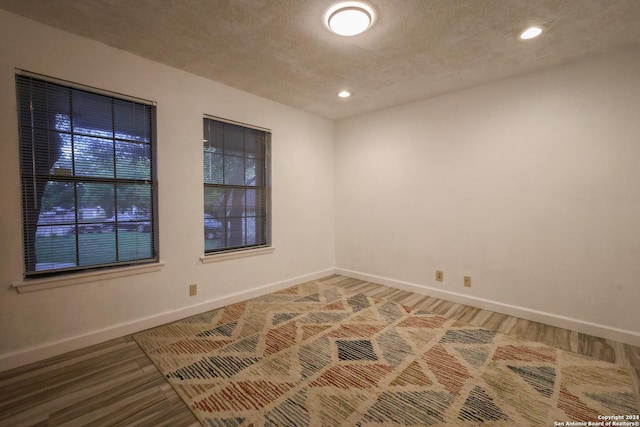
439,276
193,290
467,281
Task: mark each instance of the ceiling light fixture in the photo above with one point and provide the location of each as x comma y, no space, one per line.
344,94
530,33
349,19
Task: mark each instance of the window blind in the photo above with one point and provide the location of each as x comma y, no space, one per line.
88,178
236,186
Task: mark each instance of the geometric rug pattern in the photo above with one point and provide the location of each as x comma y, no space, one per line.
315,355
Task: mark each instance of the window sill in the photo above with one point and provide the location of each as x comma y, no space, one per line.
236,254
77,279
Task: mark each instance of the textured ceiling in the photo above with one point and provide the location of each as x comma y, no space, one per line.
282,50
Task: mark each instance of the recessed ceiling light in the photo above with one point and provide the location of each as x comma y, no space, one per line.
344,94
530,33
349,20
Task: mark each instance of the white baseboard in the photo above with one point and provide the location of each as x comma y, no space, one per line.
34,354
603,331
44,351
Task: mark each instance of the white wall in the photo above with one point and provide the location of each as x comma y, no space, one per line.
530,185
303,196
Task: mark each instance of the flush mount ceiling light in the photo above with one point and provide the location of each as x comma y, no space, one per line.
530,33
349,19
344,94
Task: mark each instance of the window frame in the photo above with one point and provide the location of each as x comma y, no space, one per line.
232,252
23,77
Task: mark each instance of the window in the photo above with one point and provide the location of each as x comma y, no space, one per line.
88,178
236,186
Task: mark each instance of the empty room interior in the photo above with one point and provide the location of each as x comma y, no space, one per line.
433,219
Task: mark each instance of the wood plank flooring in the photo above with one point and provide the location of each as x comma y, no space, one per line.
108,384
115,384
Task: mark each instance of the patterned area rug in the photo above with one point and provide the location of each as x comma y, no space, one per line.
313,355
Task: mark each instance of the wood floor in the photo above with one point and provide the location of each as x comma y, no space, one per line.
115,383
